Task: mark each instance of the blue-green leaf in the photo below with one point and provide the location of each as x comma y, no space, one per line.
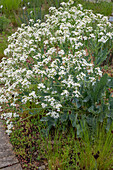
64,117
44,119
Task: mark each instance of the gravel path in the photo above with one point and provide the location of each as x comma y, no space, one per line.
8,161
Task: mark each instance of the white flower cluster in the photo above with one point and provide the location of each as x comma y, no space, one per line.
47,60
0,108
9,123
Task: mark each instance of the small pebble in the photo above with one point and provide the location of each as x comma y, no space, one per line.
42,167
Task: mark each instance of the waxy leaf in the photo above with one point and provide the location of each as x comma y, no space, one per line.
64,117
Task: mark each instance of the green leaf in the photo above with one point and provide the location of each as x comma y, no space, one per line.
86,99
108,114
111,103
73,119
101,117
64,117
99,87
78,130
91,121
91,109
109,122
44,119
111,114
110,82
78,104
51,122
31,113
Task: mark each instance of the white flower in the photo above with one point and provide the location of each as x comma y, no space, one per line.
13,104
79,5
65,92
8,131
47,60
1,6
92,79
61,52
9,126
15,115
32,94
103,39
24,8
31,12
43,105
53,114
0,108
7,122
41,85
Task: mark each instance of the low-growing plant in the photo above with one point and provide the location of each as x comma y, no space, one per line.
36,9
48,65
96,153
102,7
4,23
10,5
30,14
3,44
61,149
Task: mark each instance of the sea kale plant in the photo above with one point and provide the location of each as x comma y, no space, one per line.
52,65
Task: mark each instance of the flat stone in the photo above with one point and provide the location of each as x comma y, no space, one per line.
7,156
6,161
13,167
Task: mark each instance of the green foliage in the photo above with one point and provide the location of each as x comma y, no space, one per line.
4,23
36,9
26,142
40,8
99,52
3,44
79,138
31,13
68,87
61,149
10,5
101,7
94,107
98,152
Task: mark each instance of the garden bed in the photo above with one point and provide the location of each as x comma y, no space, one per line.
57,98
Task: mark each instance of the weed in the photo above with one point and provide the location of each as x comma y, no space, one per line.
62,150
10,5
4,23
